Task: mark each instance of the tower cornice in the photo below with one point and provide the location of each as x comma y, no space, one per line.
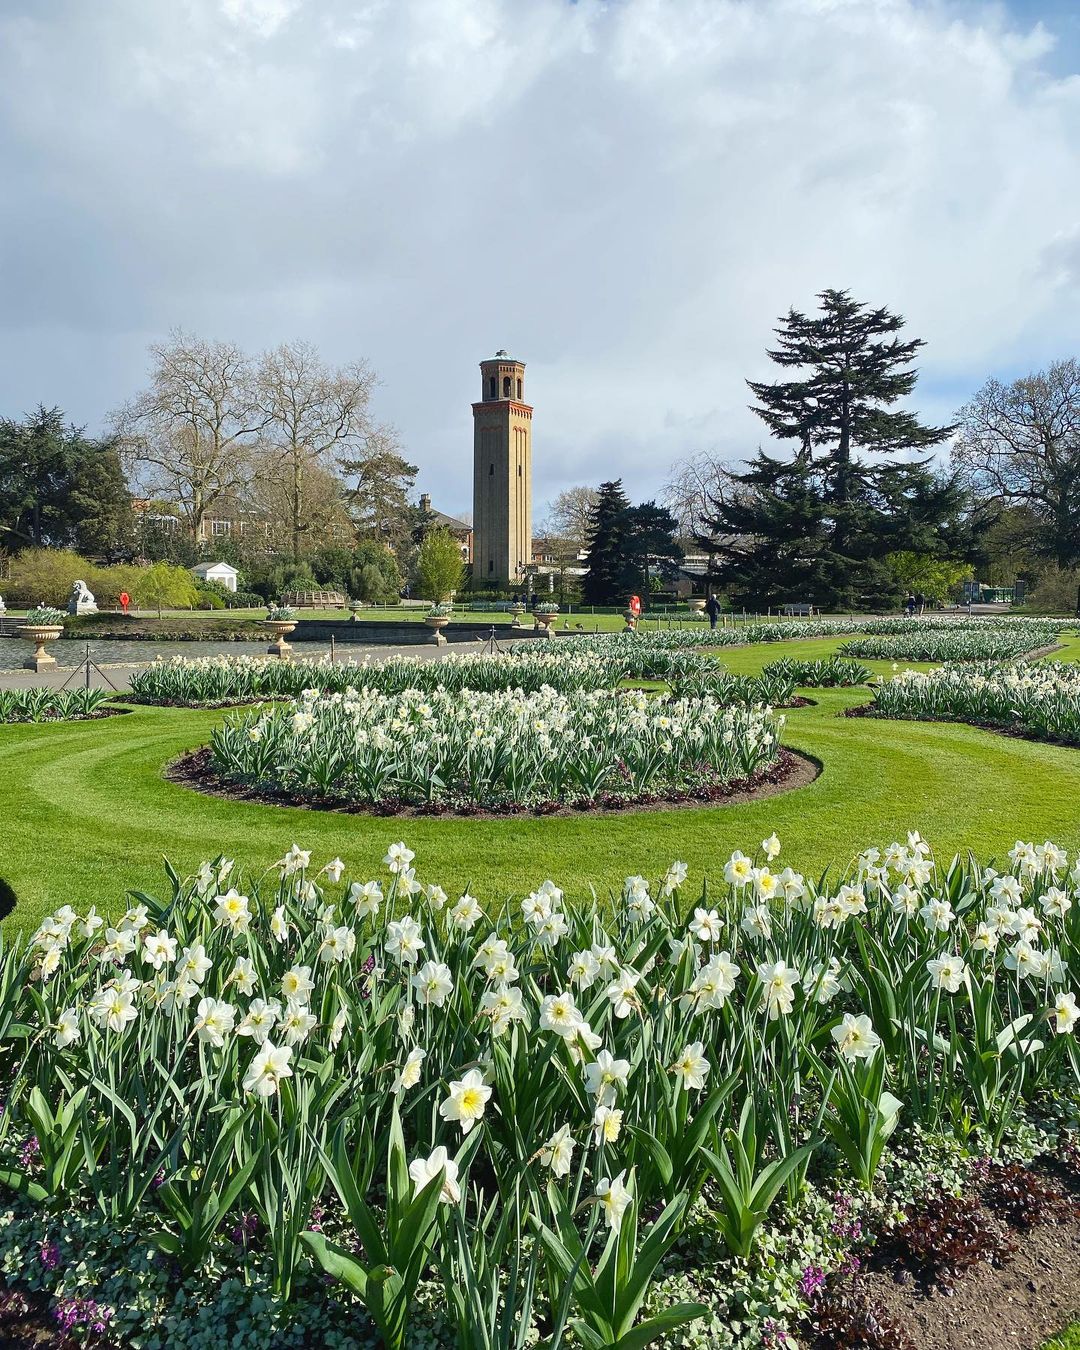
524,408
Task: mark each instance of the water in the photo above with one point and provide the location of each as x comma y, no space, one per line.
68,654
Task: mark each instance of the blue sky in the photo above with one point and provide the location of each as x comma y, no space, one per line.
624,194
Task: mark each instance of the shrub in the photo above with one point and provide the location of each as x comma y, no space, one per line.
45,576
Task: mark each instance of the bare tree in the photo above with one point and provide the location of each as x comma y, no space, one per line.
188,437
568,517
313,415
693,488
1019,443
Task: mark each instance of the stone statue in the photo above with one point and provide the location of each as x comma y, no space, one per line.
81,601
3,607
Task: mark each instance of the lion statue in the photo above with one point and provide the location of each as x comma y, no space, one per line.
81,600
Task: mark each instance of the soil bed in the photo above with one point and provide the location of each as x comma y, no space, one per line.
86,717
789,771
1016,733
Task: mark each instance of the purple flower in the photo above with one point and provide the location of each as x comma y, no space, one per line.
70,1313
49,1255
811,1280
29,1151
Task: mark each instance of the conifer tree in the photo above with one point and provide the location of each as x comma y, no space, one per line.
817,524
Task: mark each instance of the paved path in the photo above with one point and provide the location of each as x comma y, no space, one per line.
120,675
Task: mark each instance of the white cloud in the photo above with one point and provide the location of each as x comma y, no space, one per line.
627,194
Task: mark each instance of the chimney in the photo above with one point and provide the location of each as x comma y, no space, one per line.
425,501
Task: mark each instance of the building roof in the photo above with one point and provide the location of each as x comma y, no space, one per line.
204,567
450,523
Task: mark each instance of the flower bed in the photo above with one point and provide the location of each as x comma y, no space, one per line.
492,750
41,704
958,640
1041,700
688,1111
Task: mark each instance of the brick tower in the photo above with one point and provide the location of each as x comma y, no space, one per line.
502,476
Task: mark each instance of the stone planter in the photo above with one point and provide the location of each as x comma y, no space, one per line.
280,628
517,611
697,607
631,621
545,620
39,634
437,622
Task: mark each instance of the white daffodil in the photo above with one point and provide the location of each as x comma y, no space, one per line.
259,1020
605,1076
559,1014
705,926
214,1021
297,984
1065,1012
409,1075
714,982
778,981
234,911
335,870
423,1172
433,983
466,913
66,1030
337,945
398,858
466,1100
558,1153
504,1006
771,847
404,940
622,992
607,1124
367,898
692,1068
159,949
194,964
855,1037
947,972
113,1009
243,975
738,870
584,970
267,1069
297,1022
615,1199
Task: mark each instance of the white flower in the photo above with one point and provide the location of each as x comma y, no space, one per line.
178,993
604,1076
621,992
297,984
558,1152
692,1068
937,915
267,1069
825,981
433,983
404,941
738,870
338,944
984,939
119,944
214,1020
89,926
409,1075
423,1172
855,1037
366,898
674,877
948,972
778,981
467,1099
335,870
1028,961
615,1198
584,970
1056,903
706,925
66,1030
559,1014
435,896
504,1006
550,932
757,922
466,913
338,1027
243,975
713,982
113,1008
607,1124
1065,1012
398,858
259,1020
194,963
771,847
297,1022
295,860
233,910
159,949
279,924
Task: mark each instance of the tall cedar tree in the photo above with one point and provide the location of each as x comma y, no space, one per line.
818,525
626,545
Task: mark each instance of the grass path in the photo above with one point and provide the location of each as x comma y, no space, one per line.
86,814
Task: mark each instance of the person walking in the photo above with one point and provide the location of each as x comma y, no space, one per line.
909,605
712,609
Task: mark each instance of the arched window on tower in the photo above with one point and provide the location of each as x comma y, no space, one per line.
519,391
493,387
506,386
491,470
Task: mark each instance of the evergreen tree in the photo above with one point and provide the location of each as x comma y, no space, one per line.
610,576
817,525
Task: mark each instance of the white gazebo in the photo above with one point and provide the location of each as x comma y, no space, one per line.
217,571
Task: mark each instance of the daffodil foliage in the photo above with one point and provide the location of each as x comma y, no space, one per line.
526,1098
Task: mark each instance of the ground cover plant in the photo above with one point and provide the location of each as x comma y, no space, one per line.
510,748
662,1119
1037,699
42,704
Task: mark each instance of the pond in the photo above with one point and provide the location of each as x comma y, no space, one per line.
68,653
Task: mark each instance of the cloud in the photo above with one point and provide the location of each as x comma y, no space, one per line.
626,194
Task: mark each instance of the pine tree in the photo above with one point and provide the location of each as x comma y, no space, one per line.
817,526
611,574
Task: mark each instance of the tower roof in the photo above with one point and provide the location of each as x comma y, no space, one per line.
502,358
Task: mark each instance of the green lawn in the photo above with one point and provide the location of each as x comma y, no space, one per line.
1068,1340
87,814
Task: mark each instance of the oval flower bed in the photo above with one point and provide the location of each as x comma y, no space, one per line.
318,1109
508,749
957,640
42,704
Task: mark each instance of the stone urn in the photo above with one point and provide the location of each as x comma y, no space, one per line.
545,621
437,622
631,621
281,628
516,611
39,634
697,607
355,606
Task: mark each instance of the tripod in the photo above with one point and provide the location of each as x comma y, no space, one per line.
491,645
84,668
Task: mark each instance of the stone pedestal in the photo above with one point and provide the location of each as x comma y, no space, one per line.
39,634
280,629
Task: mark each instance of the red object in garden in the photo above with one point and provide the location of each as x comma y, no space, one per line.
635,604
125,600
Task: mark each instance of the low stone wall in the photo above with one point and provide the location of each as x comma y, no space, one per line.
388,634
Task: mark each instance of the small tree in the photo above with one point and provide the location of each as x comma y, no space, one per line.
439,569
923,574
162,586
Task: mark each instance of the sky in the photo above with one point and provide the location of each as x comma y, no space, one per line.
623,194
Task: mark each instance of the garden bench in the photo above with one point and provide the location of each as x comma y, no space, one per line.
801,611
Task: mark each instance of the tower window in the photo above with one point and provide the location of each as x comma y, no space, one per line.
491,564
491,470
519,470
492,387
519,391
506,386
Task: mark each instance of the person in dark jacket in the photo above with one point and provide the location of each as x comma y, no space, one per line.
712,609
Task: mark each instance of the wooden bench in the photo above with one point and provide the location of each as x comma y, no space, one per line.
800,611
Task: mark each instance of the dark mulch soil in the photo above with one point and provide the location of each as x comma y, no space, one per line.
1025,1291
89,717
1016,733
790,770
25,1323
